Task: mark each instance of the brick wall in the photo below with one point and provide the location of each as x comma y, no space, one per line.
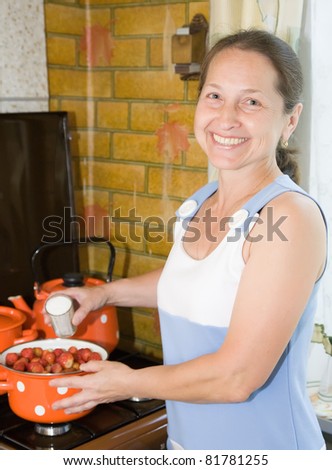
106,69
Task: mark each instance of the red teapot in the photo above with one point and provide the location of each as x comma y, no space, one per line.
100,326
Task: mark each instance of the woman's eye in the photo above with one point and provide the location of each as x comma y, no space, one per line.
253,102
213,96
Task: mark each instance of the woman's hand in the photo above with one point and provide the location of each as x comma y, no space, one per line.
88,299
108,383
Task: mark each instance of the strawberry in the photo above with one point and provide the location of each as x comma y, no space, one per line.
36,359
35,367
37,352
20,365
57,351
11,358
49,357
28,353
66,360
85,354
56,368
95,356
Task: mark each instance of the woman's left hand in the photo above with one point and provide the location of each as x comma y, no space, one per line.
108,382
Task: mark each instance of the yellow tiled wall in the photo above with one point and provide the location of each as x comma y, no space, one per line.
116,106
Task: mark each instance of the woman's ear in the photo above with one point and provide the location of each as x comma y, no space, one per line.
291,122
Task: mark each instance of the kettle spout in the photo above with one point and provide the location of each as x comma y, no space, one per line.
20,304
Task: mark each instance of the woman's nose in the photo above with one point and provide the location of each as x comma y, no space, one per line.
228,116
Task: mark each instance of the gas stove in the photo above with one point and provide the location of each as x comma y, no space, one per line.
128,424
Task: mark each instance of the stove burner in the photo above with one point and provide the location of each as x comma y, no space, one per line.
26,437
52,429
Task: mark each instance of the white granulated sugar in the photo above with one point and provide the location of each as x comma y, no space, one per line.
58,305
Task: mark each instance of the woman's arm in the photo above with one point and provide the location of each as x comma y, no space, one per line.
140,291
275,287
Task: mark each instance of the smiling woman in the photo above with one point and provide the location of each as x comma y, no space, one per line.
236,301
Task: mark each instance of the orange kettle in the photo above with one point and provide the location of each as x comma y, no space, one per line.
100,326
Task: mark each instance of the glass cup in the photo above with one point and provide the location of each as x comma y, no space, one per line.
60,308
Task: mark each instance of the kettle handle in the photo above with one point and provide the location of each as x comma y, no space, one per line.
81,241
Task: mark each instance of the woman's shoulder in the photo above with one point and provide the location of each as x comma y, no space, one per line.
291,217
290,227
297,207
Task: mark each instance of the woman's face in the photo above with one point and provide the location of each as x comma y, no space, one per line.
240,115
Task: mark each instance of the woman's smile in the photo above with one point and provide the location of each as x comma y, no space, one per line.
228,141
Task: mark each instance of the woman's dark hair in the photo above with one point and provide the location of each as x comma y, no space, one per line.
288,68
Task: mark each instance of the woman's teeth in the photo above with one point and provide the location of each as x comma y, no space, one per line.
228,141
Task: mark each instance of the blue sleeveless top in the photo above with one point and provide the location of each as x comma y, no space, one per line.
195,301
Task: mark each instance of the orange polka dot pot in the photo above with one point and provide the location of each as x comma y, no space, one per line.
29,394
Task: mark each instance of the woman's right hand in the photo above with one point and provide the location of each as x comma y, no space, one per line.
87,300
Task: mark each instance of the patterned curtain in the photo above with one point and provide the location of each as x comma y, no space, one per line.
280,17
317,65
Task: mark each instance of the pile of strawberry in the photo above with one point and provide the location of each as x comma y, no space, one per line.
52,361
